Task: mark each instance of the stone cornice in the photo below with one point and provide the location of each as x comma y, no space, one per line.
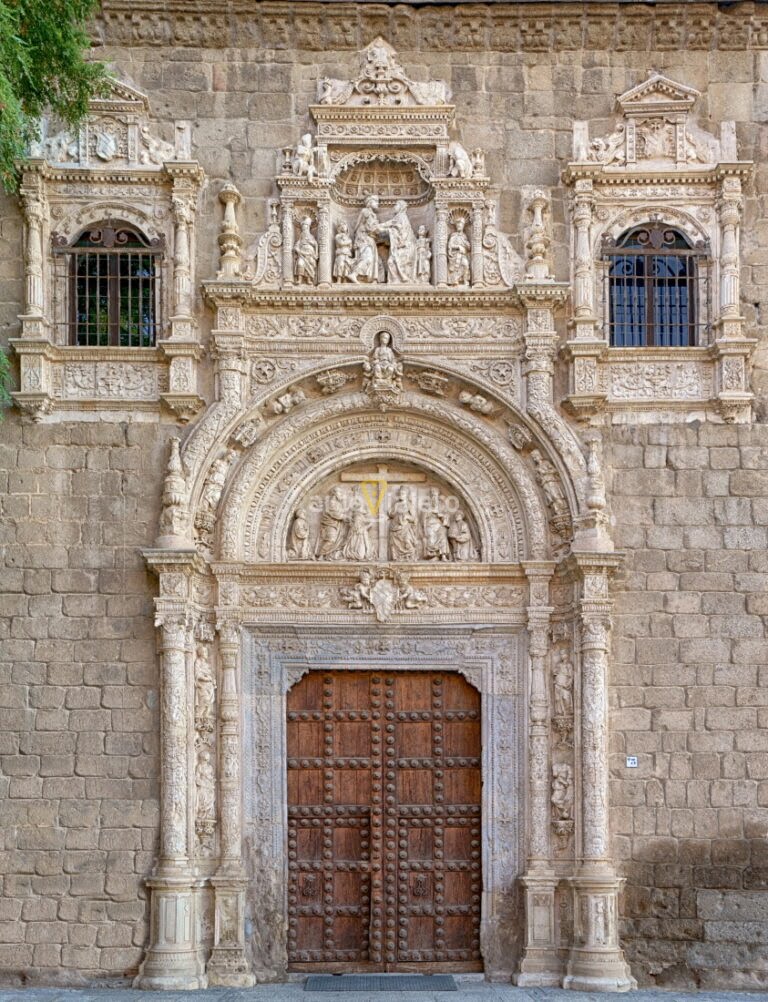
622,176
89,175
377,297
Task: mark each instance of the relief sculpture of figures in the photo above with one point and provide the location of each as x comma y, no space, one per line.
306,253
460,538
458,255
367,266
401,263
435,525
205,689
403,533
562,678
358,544
562,791
298,544
333,527
342,261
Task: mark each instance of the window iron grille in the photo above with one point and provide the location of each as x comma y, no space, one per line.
114,288
656,289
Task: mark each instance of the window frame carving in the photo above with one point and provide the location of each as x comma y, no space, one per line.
114,169
657,166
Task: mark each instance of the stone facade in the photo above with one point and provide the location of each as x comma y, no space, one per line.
612,525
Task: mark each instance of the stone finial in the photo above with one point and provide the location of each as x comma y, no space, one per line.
230,241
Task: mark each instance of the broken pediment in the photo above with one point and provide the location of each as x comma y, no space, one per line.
115,133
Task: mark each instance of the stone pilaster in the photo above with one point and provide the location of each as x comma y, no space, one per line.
288,235
173,959
441,245
596,962
477,244
540,964
325,244
228,964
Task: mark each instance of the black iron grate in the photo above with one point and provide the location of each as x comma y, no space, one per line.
380,983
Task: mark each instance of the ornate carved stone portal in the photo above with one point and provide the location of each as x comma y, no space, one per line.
383,488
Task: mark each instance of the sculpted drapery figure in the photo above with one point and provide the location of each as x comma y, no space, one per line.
205,687
403,533
401,263
460,538
342,261
563,685
333,526
298,543
423,257
435,528
358,542
383,368
306,254
367,266
458,255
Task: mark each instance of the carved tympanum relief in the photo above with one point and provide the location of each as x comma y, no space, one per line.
390,513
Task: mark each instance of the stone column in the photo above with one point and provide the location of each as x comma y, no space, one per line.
33,208
173,959
325,253
441,245
540,339
583,264
540,964
597,961
182,280
228,964
477,245
729,213
287,224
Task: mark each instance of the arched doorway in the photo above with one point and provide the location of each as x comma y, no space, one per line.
384,821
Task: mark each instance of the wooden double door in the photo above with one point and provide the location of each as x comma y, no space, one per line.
384,839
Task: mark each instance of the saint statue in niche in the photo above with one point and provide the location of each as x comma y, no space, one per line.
458,255
423,257
383,368
403,532
306,253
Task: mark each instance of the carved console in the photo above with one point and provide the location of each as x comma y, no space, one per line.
109,201
655,216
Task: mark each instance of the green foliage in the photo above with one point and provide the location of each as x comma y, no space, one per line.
5,382
42,66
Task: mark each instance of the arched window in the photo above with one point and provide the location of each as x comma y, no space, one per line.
657,289
114,287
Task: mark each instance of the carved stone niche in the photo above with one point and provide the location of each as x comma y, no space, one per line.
380,195
657,172
113,175
383,513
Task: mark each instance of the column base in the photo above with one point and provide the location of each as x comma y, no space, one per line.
228,965
540,966
173,960
597,963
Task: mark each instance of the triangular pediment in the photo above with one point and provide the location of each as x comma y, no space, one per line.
120,97
657,93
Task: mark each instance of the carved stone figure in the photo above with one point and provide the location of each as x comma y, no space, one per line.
298,542
342,261
401,263
460,538
333,527
214,483
205,689
553,491
562,678
476,402
306,254
383,373
403,532
287,401
358,595
155,151
562,791
435,529
460,163
367,266
458,255
610,150
357,545
478,162
303,164
204,783
383,595
423,257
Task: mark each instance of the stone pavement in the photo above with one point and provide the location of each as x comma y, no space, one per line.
470,990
